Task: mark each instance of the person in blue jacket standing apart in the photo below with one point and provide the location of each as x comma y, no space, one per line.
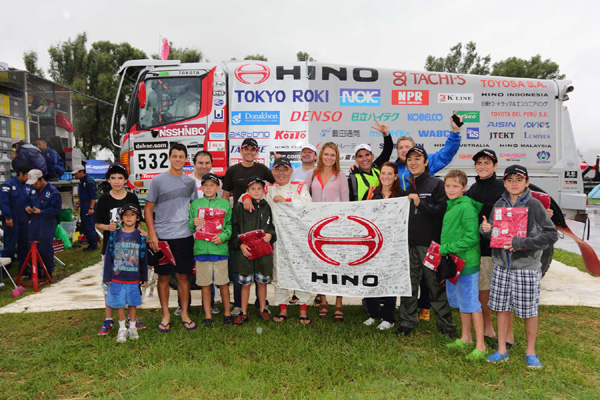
54,162
87,201
13,200
44,205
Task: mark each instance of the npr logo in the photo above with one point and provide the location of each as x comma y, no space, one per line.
410,97
360,97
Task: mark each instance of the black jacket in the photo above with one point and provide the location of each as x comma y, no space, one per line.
425,221
487,192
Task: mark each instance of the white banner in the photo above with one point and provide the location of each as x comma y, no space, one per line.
357,249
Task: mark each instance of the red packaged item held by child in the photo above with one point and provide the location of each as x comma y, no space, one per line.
508,222
167,254
460,264
213,223
433,256
544,198
257,246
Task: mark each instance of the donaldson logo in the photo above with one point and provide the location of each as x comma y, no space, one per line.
360,97
543,157
472,133
469,116
184,130
255,118
462,98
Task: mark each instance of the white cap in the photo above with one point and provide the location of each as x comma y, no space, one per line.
310,146
78,168
33,176
362,146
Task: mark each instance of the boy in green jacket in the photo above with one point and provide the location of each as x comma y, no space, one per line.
211,256
460,236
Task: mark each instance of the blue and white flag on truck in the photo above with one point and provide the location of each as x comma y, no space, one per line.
357,249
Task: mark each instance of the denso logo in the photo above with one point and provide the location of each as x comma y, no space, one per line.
424,117
502,124
410,97
541,125
235,149
255,118
461,98
360,97
252,73
323,116
182,130
249,134
511,83
472,133
290,135
417,78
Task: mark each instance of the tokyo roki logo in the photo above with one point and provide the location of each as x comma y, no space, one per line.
252,73
373,240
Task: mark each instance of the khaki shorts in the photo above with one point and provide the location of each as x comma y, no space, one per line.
485,273
205,271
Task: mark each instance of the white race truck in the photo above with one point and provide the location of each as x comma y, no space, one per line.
214,107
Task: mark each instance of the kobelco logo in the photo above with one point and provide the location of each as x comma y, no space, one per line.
252,73
373,240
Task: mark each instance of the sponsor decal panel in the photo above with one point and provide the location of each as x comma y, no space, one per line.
360,97
249,134
511,83
469,116
403,78
410,97
255,118
252,73
216,136
424,117
309,116
472,133
543,157
459,98
182,130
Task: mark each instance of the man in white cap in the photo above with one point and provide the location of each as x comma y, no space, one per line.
309,158
44,205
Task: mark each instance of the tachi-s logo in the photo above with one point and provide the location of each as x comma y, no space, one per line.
252,73
373,240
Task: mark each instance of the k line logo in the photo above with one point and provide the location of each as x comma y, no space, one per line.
460,98
360,97
410,97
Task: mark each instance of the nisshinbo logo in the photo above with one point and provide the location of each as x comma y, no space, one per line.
255,118
360,97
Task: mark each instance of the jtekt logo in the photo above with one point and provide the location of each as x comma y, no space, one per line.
252,73
360,97
410,97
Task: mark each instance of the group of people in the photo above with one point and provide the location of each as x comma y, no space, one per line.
446,211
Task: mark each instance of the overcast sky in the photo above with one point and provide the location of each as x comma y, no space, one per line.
393,34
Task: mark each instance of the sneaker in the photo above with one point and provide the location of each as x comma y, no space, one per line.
132,333
403,330
241,319
533,361
138,324
497,358
369,322
236,311
457,344
207,323
424,314
122,336
476,355
215,311
265,315
228,320
385,325
106,327
178,312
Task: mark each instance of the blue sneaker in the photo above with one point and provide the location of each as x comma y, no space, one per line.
533,361
497,358
106,327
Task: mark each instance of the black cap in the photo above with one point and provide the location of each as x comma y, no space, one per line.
516,170
249,142
282,161
254,179
116,169
420,150
486,153
129,207
211,177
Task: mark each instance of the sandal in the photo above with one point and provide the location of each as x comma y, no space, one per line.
280,318
304,321
338,314
186,325
165,327
294,299
318,300
323,310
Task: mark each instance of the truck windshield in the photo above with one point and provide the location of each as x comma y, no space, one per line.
169,100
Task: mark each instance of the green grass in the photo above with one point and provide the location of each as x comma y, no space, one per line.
569,258
59,355
593,200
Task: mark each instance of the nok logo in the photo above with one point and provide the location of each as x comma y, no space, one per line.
373,240
252,73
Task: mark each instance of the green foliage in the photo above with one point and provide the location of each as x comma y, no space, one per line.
303,56
30,59
533,68
258,57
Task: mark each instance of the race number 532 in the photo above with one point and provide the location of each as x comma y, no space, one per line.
151,156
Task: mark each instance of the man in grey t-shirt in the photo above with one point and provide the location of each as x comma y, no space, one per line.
167,215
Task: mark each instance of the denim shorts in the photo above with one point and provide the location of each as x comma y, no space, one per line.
255,277
465,294
121,295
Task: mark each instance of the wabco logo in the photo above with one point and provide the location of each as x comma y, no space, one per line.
252,73
410,97
255,118
469,116
424,117
462,98
185,130
541,125
290,135
249,134
373,240
472,133
360,97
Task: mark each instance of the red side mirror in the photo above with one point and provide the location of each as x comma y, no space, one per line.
141,95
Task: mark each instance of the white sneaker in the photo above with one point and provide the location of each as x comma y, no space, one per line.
132,333
369,322
215,311
236,311
122,336
385,325
178,312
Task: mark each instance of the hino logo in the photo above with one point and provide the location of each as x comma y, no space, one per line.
341,73
252,73
373,240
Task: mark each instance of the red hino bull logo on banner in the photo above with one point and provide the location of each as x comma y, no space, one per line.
182,130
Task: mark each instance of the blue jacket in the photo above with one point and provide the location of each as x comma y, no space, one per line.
48,201
30,155
437,160
54,163
87,189
13,199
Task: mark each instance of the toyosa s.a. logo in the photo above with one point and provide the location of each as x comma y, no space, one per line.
252,73
373,240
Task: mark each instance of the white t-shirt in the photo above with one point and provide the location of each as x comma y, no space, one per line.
299,174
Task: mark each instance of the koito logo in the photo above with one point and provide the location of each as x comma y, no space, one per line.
252,73
410,97
290,135
373,240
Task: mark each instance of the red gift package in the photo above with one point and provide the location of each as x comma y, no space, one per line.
460,264
167,254
543,197
257,246
213,223
508,222
433,256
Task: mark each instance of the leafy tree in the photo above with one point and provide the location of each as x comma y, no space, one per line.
456,62
533,68
303,56
30,58
258,57
185,55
